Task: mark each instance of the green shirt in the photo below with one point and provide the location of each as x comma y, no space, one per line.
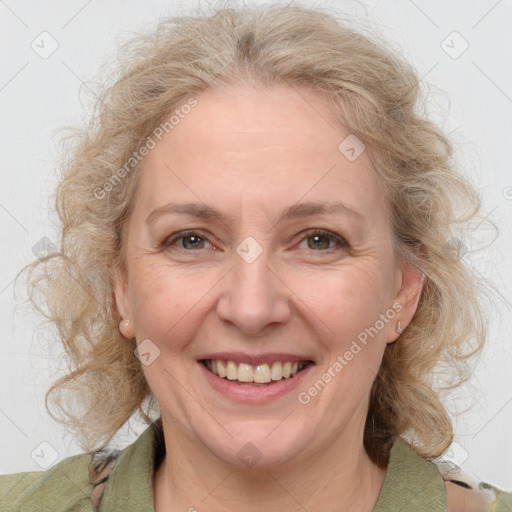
412,483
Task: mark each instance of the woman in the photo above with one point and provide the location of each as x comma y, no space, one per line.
259,224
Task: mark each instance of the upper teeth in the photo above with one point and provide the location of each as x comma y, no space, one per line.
260,373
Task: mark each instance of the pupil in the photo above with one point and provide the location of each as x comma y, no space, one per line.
195,240
321,245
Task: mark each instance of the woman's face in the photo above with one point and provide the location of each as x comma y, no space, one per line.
224,264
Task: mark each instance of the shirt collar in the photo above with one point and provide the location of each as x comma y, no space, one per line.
130,485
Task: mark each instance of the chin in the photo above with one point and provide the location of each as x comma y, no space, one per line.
259,451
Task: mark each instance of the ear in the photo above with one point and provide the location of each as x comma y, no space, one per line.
122,304
410,285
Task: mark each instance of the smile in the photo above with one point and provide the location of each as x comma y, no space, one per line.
262,374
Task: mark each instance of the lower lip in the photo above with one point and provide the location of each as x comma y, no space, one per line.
254,394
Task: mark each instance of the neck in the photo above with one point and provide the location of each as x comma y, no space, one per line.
340,477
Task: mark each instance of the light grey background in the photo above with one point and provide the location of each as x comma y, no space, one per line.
471,98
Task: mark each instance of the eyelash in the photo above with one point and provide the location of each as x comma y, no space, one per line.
342,243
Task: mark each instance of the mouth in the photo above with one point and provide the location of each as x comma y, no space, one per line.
255,375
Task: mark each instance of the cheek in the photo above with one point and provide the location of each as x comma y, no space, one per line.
352,319
167,302
345,301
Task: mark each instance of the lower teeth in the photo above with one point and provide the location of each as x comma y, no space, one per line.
259,384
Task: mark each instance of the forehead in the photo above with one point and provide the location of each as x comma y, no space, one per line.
231,118
245,146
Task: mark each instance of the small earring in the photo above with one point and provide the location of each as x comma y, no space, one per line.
124,324
399,329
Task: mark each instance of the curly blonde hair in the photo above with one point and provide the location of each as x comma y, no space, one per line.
375,95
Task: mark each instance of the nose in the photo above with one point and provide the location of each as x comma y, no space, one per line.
254,296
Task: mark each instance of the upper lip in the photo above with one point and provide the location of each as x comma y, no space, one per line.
255,359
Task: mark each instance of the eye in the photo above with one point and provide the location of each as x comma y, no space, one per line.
322,240
319,240
188,240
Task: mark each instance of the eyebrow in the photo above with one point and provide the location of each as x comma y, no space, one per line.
295,211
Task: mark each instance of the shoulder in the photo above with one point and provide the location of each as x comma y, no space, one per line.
64,487
464,494
415,482
79,483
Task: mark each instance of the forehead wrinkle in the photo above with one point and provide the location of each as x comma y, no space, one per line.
300,210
